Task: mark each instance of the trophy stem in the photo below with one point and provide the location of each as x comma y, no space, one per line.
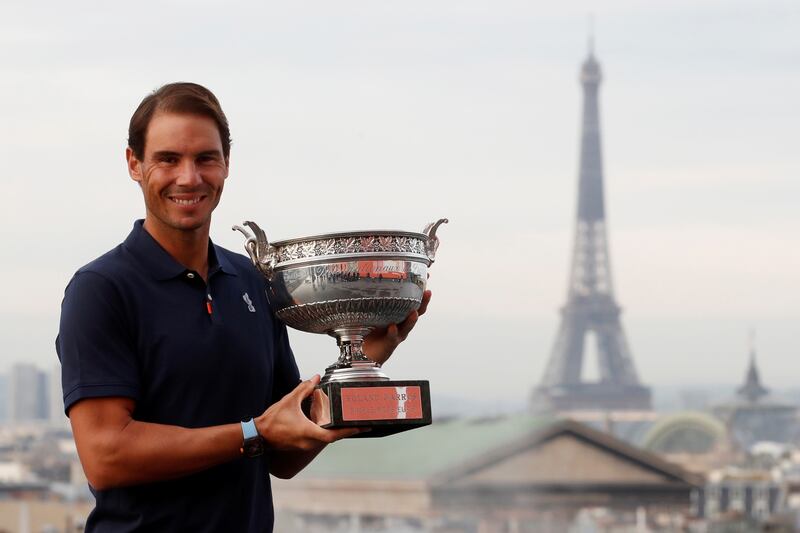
352,364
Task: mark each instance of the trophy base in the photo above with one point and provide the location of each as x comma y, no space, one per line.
385,407
354,372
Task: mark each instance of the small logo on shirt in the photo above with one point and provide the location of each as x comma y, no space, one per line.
249,302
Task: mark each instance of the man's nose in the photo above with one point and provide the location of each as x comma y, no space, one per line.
188,173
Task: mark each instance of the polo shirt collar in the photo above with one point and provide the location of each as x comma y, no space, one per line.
217,260
163,266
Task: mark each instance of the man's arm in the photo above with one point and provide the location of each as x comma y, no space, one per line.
116,450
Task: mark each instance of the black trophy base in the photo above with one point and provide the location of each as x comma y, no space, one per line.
385,407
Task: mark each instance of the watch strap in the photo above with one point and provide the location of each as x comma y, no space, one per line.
249,430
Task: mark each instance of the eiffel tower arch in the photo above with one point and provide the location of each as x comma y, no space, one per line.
591,307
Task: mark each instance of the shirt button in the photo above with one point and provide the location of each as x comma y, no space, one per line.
190,275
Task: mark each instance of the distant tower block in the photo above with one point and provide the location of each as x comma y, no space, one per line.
590,307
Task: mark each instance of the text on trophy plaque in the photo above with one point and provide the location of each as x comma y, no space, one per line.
381,403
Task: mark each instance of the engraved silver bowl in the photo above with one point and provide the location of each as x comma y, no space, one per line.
345,285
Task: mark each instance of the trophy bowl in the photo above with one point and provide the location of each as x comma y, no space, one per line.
346,285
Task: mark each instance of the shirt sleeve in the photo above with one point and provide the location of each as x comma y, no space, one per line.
95,343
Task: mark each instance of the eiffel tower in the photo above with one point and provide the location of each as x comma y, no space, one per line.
591,312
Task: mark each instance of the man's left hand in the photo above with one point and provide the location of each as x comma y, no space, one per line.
380,344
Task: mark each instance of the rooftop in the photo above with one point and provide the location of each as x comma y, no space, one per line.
423,452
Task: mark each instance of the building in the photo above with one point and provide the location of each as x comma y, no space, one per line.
740,493
509,473
695,440
753,416
27,394
591,314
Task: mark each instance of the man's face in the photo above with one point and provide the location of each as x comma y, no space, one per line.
182,173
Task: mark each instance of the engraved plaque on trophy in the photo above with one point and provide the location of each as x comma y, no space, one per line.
347,285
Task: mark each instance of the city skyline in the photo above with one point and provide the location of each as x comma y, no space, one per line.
468,111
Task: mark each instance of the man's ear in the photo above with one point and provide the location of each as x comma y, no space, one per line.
227,166
134,166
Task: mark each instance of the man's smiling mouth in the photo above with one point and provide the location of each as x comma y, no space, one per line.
186,201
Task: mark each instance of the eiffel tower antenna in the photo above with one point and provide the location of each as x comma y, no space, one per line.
591,34
591,311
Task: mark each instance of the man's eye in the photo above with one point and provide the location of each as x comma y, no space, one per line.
171,160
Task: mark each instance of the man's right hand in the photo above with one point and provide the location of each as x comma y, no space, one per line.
285,427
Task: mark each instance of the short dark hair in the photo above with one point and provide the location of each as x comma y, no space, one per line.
180,97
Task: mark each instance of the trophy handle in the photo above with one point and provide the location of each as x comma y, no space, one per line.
261,253
433,241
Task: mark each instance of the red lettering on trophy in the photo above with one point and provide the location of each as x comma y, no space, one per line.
381,403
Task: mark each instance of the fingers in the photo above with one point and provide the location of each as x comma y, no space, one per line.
338,434
327,436
381,343
405,327
426,297
305,389
320,408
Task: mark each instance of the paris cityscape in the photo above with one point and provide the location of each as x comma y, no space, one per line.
602,357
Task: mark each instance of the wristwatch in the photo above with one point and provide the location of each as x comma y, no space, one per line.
253,444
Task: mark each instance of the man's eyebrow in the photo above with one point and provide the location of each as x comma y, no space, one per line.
165,153
168,153
215,153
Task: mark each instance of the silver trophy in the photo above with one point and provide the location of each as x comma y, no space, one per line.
346,285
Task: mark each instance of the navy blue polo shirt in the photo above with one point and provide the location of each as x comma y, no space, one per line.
135,323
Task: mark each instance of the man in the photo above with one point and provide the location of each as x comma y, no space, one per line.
168,344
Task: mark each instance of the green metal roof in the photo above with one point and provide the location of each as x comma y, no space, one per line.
420,453
686,432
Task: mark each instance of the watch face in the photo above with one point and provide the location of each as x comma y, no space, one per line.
253,447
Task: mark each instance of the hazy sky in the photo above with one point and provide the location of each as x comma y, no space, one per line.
377,114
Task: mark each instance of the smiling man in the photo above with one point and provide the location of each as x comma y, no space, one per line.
180,385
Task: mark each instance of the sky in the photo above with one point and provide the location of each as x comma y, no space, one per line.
354,115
